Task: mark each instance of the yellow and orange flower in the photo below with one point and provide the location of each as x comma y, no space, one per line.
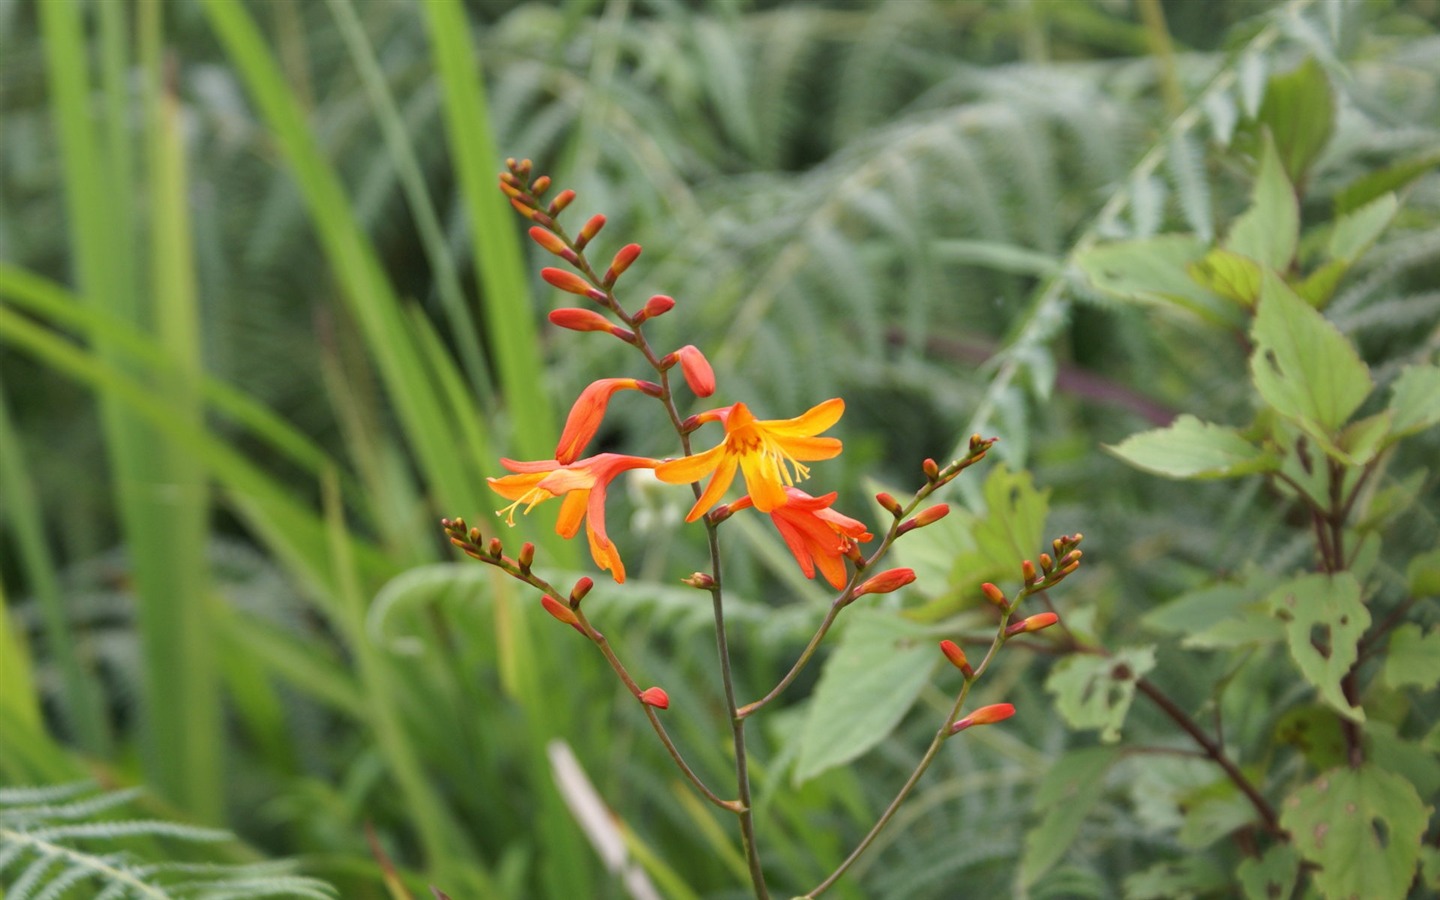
817,535
583,484
588,412
770,454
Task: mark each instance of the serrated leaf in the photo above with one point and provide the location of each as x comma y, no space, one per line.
1299,110
1324,621
1391,178
1413,658
1228,274
1414,401
1154,271
1303,367
1272,875
1362,828
1182,879
868,684
1066,795
1269,230
1190,448
1356,231
1013,526
1096,691
1362,439
1422,575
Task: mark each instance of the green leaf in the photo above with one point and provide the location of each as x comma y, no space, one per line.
1197,610
1356,231
1269,230
1013,526
1155,271
1213,814
1303,367
1190,448
1430,867
1299,111
1362,828
1228,274
1410,759
1272,875
1413,658
1324,621
1392,178
1182,879
1096,691
1414,401
1066,795
1423,574
1319,286
868,684
1316,732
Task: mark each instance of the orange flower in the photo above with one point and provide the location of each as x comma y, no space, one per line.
764,451
583,483
589,410
817,535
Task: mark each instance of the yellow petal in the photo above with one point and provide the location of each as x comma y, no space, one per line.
811,422
689,469
724,474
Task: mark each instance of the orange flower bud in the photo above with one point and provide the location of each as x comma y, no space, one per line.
930,468
525,210
527,556
581,588
696,369
927,516
569,281
658,305
580,320
1046,563
627,255
561,201
1027,571
885,582
496,548
548,239
985,715
1032,623
994,595
956,656
515,192
560,611
700,580
522,169
589,230
890,504
655,697
540,185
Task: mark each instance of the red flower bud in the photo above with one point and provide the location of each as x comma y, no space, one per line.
495,548
569,281
931,469
985,715
699,580
561,201
560,611
581,588
658,305
1046,563
885,582
994,595
655,697
1033,623
580,320
627,255
956,656
549,240
891,505
1027,571
540,185
589,230
527,556
927,516
696,369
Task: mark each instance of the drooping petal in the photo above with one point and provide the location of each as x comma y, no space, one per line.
765,478
724,474
586,415
572,513
688,469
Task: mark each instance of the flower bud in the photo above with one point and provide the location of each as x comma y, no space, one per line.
589,230
696,369
994,595
522,170
560,611
700,580
655,697
627,255
569,281
1027,572
657,305
581,588
527,557
985,715
475,535
890,504
1031,624
927,516
1046,563
496,548
956,656
561,201
528,211
930,468
549,240
516,193
580,320
885,582
540,185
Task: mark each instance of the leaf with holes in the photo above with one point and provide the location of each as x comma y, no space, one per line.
1324,621
1272,875
1096,691
1303,367
1362,827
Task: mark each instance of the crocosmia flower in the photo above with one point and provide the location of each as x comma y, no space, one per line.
770,454
817,535
589,410
583,484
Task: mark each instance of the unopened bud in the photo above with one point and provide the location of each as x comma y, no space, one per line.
985,715
994,595
561,611
528,211
552,242
569,281
540,185
581,588
890,504
1027,572
657,305
589,230
561,201
527,557
495,549
655,697
931,469
697,371
701,580
927,516
1046,563
580,320
1032,624
627,255
516,193
523,169
956,656
885,582
475,535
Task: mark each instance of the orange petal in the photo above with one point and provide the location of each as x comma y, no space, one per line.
724,474
813,421
688,469
806,449
762,479
572,513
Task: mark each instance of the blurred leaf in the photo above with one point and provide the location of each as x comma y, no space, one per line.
1272,875
1214,813
1180,880
1391,178
1316,732
1413,657
868,684
1415,401
1228,274
1156,271
1361,828
1269,231
1356,231
1303,367
1190,448
1324,621
1013,526
1299,110
1068,793
1096,691
1410,759
1423,574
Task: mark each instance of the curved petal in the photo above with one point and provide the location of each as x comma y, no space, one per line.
689,469
810,448
586,415
603,551
812,421
724,474
539,465
572,513
763,478
517,487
